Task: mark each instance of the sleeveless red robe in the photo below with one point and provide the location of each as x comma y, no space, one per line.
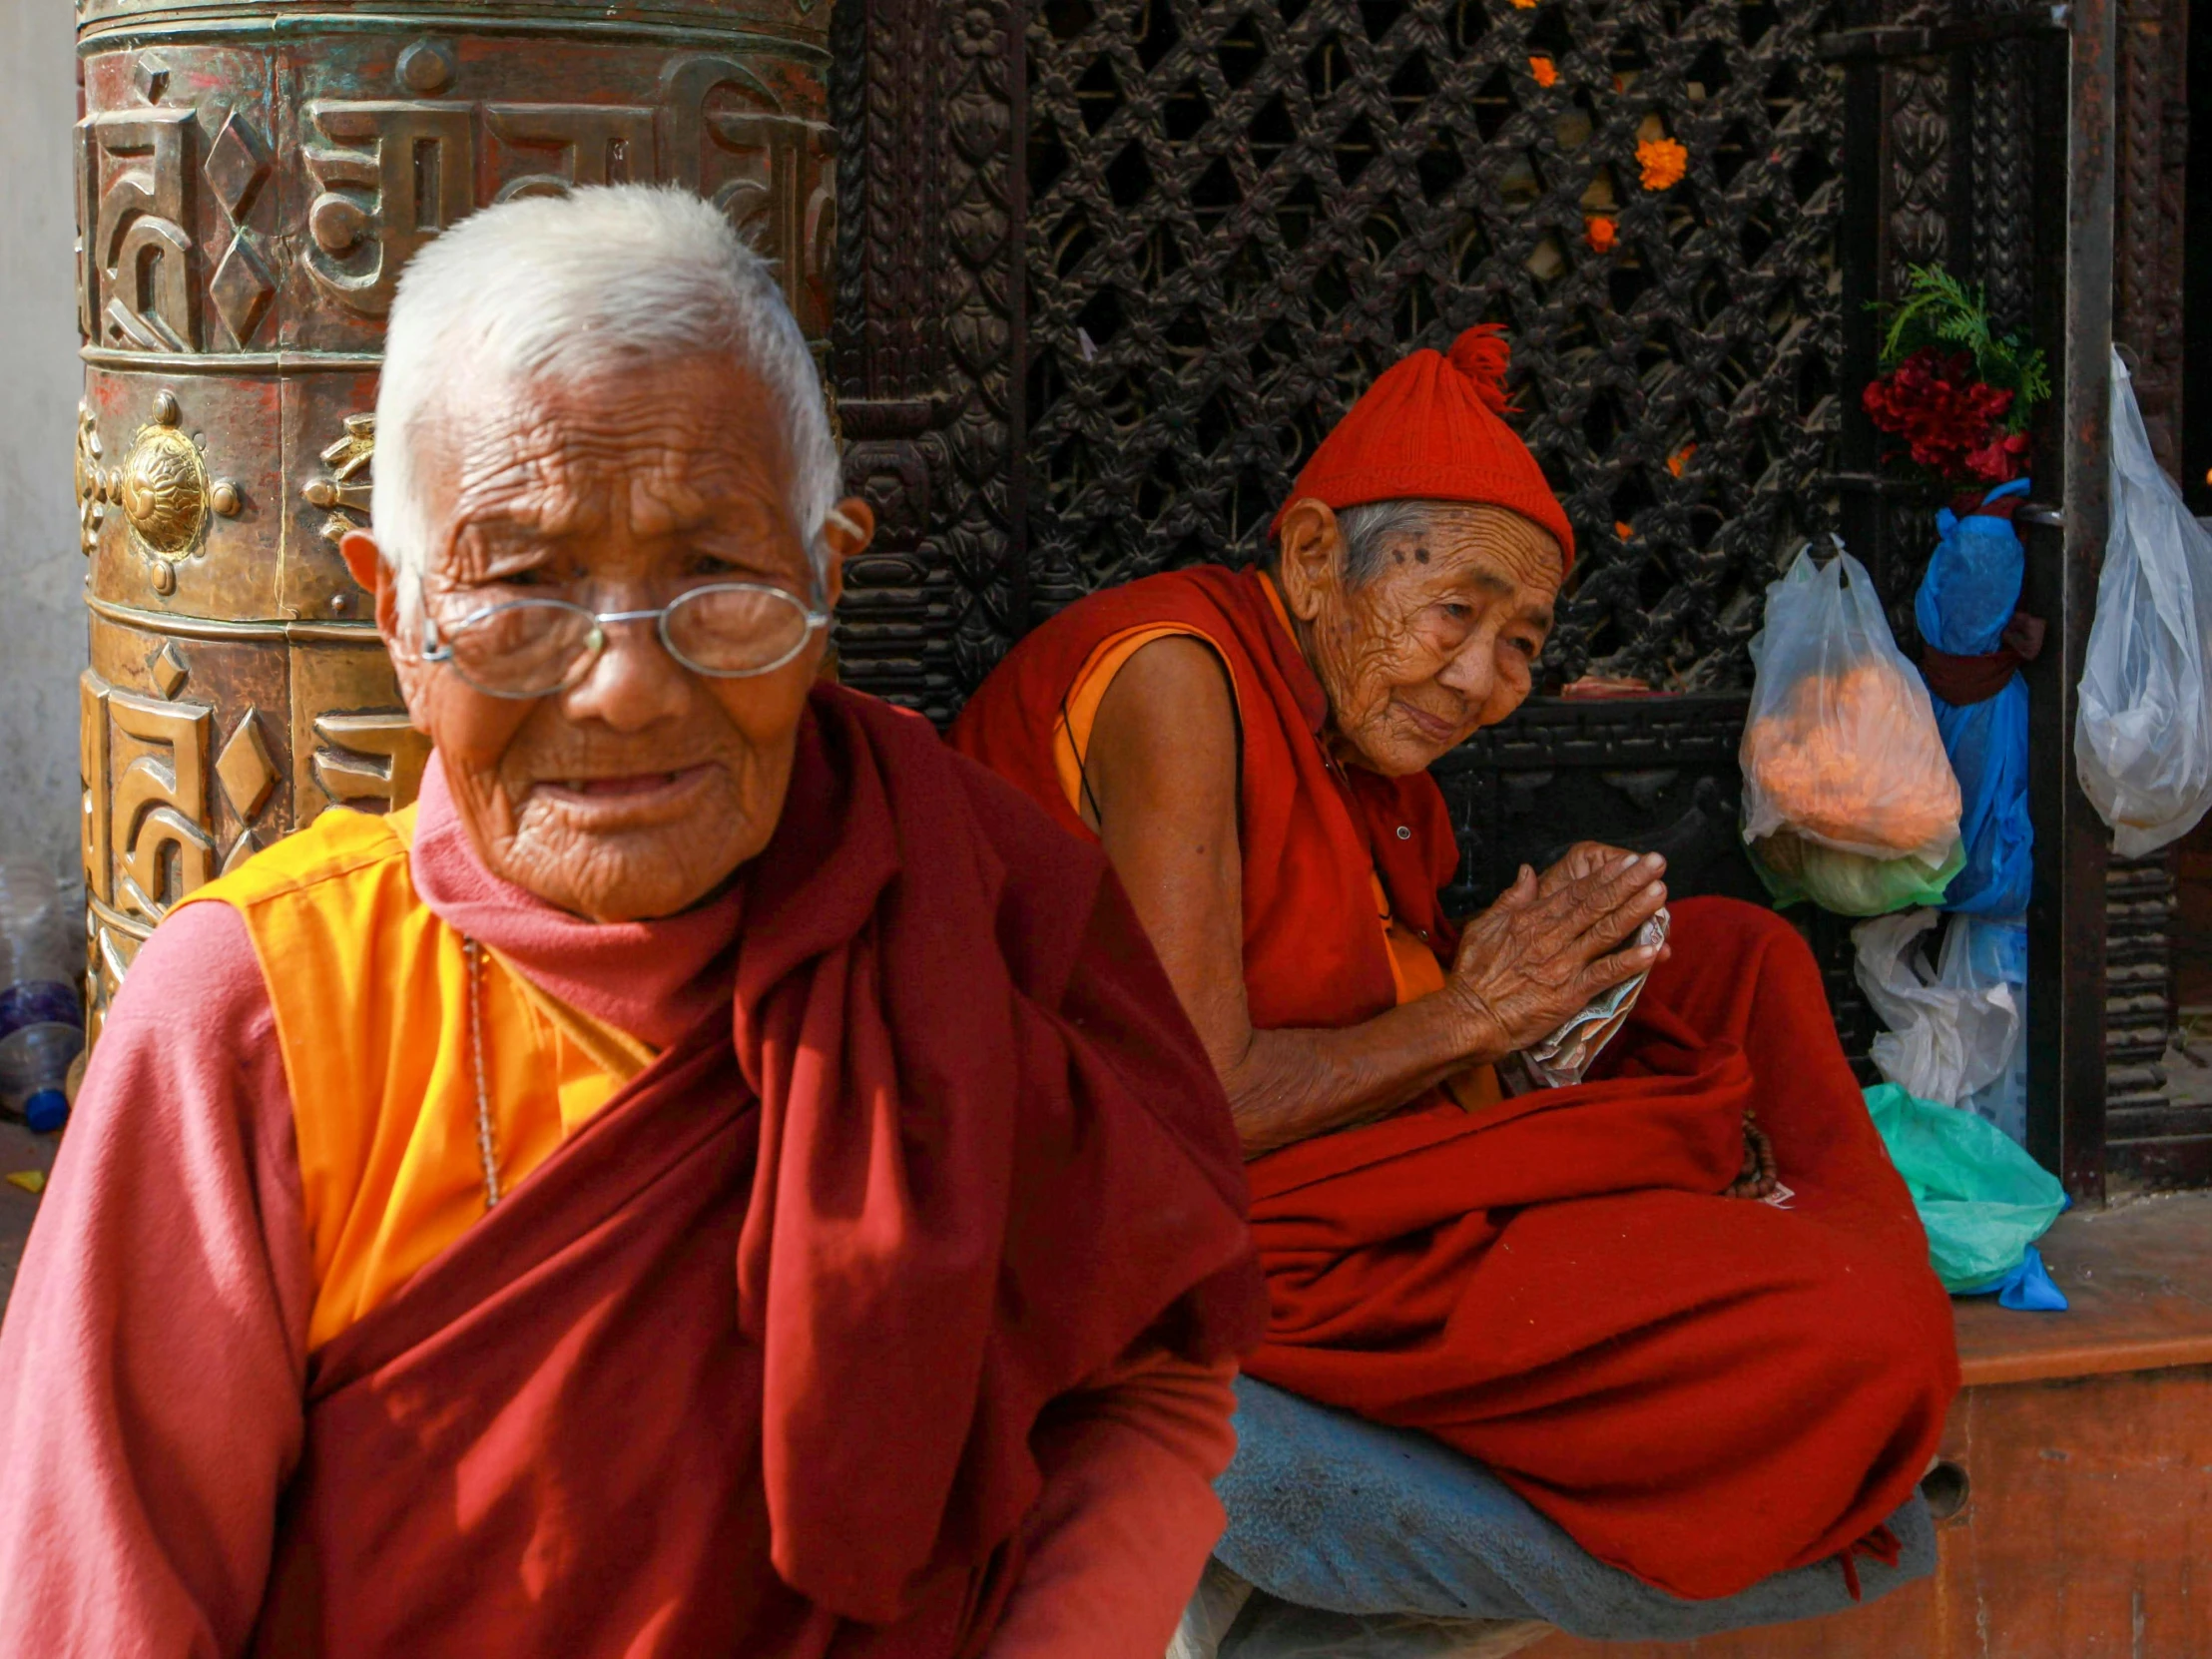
1312,831
1702,1390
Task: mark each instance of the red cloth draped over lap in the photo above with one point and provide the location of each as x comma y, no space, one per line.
955,1151
1702,1390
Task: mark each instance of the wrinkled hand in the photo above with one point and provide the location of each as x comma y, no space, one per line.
1552,943
1583,859
1589,858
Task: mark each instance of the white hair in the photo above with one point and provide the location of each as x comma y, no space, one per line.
557,288
1370,528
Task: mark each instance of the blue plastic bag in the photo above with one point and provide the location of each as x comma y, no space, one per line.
1983,1200
2028,1288
1967,601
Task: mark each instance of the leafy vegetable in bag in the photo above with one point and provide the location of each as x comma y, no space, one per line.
1849,883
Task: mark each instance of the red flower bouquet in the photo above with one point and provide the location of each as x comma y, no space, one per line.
1958,395
1950,420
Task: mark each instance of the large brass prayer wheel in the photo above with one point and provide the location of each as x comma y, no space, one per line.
251,178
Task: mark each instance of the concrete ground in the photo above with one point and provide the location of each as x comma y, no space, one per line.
19,1149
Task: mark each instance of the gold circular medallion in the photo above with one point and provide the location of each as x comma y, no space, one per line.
164,491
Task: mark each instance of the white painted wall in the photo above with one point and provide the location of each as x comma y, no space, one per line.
42,618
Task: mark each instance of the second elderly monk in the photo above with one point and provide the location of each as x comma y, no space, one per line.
723,1175
1701,1390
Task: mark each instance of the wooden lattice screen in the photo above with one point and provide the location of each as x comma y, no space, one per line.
1240,213
1108,267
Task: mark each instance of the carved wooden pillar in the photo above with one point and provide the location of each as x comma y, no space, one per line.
2153,1142
2153,132
251,179
929,337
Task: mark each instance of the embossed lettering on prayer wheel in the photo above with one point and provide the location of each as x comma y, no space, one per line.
251,179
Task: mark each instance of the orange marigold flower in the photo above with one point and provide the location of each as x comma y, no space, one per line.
1525,5
1543,69
1663,160
1600,233
1623,529
1681,458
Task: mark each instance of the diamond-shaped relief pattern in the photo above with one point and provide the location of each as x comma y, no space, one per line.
1240,213
166,668
237,164
151,75
243,769
241,288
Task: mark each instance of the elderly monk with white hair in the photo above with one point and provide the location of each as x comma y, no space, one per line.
720,1175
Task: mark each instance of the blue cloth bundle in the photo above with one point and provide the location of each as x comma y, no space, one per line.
1967,601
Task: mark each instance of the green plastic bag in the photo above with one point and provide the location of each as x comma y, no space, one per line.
1849,883
1983,1200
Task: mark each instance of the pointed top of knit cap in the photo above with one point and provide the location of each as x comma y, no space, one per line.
1432,427
1482,354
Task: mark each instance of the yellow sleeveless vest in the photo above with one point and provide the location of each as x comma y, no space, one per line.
370,990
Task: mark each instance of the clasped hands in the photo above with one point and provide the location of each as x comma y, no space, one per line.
1555,942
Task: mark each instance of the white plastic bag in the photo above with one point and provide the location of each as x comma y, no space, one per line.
1288,1632
1953,1028
1221,1595
2143,728
1840,747
1996,948
1228,1619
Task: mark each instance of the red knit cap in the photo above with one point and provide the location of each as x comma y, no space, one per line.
1432,427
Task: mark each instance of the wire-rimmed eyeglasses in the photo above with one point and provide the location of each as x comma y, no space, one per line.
525,648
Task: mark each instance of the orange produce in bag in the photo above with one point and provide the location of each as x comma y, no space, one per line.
1841,748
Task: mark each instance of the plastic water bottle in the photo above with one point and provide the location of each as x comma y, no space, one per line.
38,969
34,1072
41,1018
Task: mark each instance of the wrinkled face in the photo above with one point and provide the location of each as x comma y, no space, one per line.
636,792
1437,643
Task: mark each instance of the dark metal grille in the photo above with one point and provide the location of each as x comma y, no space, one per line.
1241,210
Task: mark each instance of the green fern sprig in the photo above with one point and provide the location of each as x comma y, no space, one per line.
1940,310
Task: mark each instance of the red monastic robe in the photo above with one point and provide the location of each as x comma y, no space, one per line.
1703,1390
769,1357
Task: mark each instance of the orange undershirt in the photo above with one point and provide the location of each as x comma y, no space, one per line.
1414,970
370,992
